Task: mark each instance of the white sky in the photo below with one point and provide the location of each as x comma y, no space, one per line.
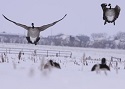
83,16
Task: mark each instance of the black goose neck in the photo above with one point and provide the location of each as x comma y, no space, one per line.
32,25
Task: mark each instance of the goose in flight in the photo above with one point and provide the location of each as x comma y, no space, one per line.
33,32
110,14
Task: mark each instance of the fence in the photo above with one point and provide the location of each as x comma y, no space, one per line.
27,51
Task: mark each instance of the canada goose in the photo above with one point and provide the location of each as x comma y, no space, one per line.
110,14
102,66
50,64
33,32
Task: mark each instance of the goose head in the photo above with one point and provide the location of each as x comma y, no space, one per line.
109,6
51,62
32,25
103,61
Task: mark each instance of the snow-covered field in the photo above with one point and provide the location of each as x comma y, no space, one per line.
26,73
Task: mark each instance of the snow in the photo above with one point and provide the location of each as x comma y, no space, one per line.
25,74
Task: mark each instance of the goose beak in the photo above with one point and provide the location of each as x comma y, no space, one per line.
109,4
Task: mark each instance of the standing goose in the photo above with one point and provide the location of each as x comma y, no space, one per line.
110,14
33,33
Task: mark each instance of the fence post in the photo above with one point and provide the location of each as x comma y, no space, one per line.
47,53
71,55
56,54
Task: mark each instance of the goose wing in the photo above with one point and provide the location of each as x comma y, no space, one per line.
18,24
117,10
103,5
94,67
107,67
42,28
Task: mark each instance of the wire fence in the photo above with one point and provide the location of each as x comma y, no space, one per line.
27,51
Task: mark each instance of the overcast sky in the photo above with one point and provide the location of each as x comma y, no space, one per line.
83,16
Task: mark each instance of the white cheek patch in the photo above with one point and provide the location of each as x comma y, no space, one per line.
33,39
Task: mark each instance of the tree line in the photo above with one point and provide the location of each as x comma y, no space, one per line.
95,40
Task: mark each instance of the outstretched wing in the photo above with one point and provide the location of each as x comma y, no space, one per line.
42,28
94,67
103,5
117,10
18,24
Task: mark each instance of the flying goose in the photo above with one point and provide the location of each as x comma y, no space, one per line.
33,32
110,14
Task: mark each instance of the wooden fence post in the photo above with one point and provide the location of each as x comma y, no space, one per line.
47,53
71,55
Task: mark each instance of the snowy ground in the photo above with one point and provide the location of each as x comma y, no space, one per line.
25,74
